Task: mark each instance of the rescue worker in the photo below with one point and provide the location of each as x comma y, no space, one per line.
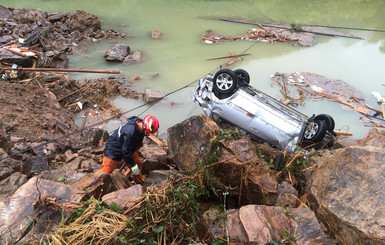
124,144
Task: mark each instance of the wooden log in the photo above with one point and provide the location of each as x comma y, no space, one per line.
343,133
230,56
62,70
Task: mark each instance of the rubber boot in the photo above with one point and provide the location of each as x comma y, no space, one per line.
108,165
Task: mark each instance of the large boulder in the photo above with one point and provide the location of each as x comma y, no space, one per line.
258,224
28,211
188,140
347,191
249,176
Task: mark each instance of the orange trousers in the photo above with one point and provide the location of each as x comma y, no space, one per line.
109,165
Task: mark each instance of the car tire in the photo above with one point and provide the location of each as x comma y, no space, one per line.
329,121
243,77
316,132
225,83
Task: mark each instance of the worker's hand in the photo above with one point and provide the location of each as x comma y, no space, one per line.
135,170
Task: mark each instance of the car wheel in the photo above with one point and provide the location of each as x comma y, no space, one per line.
316,131
225,82
242,77
329,121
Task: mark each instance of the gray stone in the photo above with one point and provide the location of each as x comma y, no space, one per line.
347,191
185,148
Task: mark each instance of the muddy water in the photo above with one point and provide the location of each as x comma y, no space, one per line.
180,57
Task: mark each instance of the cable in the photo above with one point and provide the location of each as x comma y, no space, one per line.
118,115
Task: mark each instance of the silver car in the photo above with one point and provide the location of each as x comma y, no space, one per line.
227,96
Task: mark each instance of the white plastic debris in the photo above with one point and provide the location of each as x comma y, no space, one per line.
316,88
379,97
21,40
80,105
208,42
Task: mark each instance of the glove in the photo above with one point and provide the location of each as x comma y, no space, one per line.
135,170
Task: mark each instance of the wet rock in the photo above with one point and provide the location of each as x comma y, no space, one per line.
215,221
152,95
11,183
264,224
117,52
155,34
185,148
346,191
124,198
287,195
25,205
239,166
134,58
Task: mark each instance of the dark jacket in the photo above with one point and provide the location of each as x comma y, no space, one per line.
124,142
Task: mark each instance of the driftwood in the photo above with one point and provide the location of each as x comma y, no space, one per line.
289,28
230,56
63,70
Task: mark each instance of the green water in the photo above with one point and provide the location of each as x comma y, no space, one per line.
180,57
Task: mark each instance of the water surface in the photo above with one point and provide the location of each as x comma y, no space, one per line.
180,57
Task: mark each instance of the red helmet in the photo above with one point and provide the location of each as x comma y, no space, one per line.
151,124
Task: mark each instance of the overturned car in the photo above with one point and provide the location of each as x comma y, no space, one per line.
226,96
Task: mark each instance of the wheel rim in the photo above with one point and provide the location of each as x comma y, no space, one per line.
309,134
224,81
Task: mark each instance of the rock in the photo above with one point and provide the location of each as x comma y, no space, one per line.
155,34
255,224
5,142
240,167
287,195
134,58
11,183
155,157
215,221
84,22
95,184
16,59
343,141
24,206
5,172
35,165
124,198
161,177
347,191
5,13
117,52
185,148
152,95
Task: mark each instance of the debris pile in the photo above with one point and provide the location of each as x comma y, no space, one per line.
319,87
264,34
